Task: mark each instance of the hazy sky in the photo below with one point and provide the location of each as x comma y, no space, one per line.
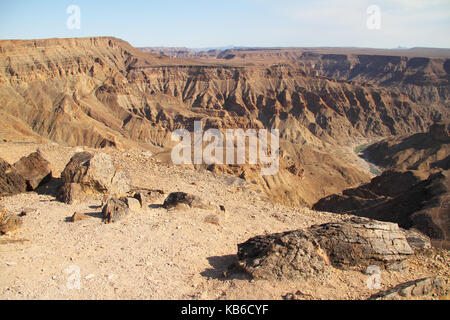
258,23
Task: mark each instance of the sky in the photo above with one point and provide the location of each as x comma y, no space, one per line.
249,23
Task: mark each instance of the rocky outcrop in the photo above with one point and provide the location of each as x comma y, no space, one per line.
414,289
11,182
403,198
440,131
182,200
355,243
9,222
360,242
35,169
422,151
89,174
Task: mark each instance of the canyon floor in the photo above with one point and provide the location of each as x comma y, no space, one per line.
161,254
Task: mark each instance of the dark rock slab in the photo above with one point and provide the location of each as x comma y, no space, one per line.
11,182
35,169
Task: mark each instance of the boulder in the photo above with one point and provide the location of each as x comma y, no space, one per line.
35,169
355,243
175,199
115,210
289,255
95,174
11,182
9,222
416,288
360,242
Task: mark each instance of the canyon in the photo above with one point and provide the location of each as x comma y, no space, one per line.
102,92
88,181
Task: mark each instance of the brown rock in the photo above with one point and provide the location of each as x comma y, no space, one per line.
289,255
9,222
417,240
141,197
416,288
35,169
213,219
404,198
71,193
94,174
176,198
11,182
115,210
360,242
355,243
77,216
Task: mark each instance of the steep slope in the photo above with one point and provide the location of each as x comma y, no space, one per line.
421,151
411,199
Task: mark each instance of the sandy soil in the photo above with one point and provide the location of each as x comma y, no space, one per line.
159,254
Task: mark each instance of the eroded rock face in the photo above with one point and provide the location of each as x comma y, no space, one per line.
94,174
441,131
355,244
417,240
403,198
289,255
421,151
9,222
182,200
360,242
34,169
416,288
11,182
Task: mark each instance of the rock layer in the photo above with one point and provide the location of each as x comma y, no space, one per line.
355,243
401,197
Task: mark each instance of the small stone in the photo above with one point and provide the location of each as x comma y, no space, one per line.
77,216
213,219
115,210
